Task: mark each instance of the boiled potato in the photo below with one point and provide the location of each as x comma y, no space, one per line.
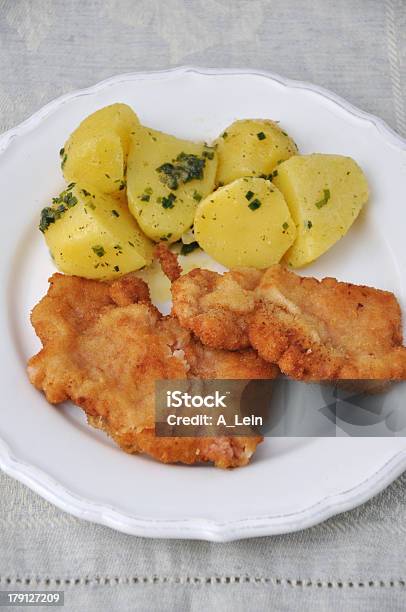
245,223
96,152
251,147
93,235
325,194
167,177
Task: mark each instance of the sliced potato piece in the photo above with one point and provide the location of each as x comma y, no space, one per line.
96,152
93,235
325,194
251,147
245,223
166,179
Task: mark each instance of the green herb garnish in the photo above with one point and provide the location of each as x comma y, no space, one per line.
249,195
269,177
209,154
145,197
255,204
188,248
63,156
308,224
168,202
61,204
48,215
261,136
183,169
285,226
324,200
115,213
99,250
116,269
197,196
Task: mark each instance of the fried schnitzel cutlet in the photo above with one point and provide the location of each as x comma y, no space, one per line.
217,307
314,330
104,345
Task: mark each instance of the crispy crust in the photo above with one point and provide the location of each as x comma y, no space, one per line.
169,261
105,353
216,307
318,330
313,330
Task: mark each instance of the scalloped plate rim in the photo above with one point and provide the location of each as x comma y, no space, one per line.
54,492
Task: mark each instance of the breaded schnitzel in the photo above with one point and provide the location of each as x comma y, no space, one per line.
104,345
217,307
313,330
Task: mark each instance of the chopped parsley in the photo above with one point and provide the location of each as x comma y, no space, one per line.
123,185
116,269
285,226
63,157
269,177
185,168
188,248
145,197
99,250
261,136
60,205
255,204
197,196
107,175
85,192
249,195
308,224
224,135
48,215
168,202
166,238
208,154
324,199
115,213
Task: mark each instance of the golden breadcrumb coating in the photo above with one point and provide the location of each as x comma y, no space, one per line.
318,330
169,261
105,345
216,307
313,330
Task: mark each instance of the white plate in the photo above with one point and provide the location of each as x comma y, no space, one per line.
292,483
